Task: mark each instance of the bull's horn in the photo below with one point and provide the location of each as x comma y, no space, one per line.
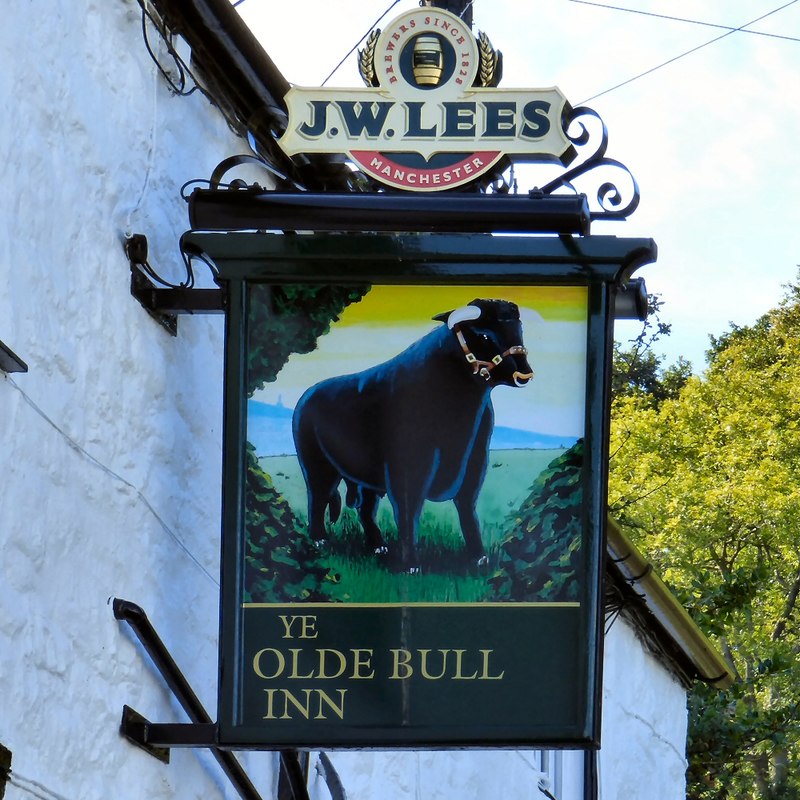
463,314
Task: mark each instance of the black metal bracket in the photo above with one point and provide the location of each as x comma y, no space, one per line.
165,302
136,729
5,768
10,361
164,305
158,738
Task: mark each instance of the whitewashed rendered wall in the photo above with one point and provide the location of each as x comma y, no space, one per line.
644,724
453,775
110,444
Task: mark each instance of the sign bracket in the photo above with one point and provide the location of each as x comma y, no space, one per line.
166,304
163,300
158,738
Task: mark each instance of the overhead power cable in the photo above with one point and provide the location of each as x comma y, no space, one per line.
684,19
371,28
688,52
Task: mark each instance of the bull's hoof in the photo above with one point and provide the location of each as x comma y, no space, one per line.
483,561
417,570
381,550
319,544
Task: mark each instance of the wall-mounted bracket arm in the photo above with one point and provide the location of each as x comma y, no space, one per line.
157,738
163,300
171,302
10,361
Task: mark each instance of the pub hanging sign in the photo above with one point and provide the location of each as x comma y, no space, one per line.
416,421
431,117
414,492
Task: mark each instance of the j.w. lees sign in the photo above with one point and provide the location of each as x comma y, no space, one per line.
431,117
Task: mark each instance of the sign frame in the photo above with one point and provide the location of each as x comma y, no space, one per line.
600,263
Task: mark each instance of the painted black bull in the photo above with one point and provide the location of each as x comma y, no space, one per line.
415,428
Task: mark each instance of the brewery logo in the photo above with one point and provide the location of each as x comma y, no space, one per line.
431,117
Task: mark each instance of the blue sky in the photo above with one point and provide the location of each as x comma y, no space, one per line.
712,138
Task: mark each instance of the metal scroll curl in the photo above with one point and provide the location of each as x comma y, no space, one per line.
617,194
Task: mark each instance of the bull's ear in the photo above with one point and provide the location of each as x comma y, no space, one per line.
443,317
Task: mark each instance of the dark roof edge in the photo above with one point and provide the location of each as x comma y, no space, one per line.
678,635
245,82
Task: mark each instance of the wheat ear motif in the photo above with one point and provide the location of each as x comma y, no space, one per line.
489,59
366,59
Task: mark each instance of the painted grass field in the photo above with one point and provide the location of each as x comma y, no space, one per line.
446,574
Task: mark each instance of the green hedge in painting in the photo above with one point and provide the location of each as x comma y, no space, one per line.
280,562
540,557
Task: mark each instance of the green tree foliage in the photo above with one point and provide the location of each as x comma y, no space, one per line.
707,482
541,553
638,371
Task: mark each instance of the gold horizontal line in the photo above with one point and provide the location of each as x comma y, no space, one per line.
509,604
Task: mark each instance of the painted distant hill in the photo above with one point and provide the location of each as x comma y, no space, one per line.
269,429
515,439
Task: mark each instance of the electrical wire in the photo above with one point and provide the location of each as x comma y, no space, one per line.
466,8
684,19
116,476
236,125
178,87
350,51
688,52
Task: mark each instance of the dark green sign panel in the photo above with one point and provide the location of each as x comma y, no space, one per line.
414,674
415,448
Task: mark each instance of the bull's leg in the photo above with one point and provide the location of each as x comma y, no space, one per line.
321,477
367,511
317,502
470,528
353,496
321,488
407,492
322,481
467,496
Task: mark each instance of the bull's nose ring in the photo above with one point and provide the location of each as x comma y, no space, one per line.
521,378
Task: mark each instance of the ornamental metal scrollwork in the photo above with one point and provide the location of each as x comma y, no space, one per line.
613,202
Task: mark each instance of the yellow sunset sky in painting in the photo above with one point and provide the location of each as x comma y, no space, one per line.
389,318
395,305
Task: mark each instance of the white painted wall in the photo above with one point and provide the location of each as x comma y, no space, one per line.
454,775
111,443
111,450
644,723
